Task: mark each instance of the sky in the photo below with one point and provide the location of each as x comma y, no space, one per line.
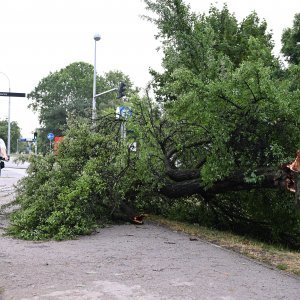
42,36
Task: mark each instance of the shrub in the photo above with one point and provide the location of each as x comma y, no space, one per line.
69,194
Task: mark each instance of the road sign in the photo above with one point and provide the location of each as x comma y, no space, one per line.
125,111
25,140
50,136
9,94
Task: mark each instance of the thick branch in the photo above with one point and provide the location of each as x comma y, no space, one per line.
223,97
270,179
182,175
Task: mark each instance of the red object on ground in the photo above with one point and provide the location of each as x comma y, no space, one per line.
295,165
138,220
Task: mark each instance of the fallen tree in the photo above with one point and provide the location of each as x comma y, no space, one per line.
224,119
230,116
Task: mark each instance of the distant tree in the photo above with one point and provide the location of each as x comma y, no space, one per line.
290,39
69,92
14,133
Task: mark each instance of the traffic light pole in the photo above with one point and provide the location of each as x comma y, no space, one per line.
94,103
106,92
120,89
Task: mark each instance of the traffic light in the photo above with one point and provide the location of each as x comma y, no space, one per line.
35,135
121,90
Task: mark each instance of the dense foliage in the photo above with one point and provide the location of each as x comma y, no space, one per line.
209,149
235,117
83,185
291,42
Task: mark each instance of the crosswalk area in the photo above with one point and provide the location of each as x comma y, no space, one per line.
8,181
6,189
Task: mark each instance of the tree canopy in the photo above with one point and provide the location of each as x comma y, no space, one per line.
69,91
290,42
14,133
235,109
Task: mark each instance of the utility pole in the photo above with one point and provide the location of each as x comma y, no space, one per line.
9,94
94,112
8,116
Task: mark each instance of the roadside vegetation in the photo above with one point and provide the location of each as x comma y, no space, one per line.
209,143
276,256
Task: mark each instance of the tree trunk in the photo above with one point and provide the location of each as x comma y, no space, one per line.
188,187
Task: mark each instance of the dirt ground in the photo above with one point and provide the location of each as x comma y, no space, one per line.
130,262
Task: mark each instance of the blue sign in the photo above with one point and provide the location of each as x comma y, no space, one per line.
22,139
50,136
125,111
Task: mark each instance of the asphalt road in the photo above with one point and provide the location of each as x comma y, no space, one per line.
132,262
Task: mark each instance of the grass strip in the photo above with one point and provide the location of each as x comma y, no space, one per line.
279,257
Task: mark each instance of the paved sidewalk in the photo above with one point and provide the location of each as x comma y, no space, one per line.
132,262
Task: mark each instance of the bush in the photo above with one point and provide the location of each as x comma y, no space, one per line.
267,215
71,193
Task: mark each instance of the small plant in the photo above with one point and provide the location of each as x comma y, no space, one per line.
282,267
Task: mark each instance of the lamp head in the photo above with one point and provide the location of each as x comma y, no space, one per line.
97,37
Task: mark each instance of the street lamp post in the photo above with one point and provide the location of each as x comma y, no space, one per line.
94,112
8,117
